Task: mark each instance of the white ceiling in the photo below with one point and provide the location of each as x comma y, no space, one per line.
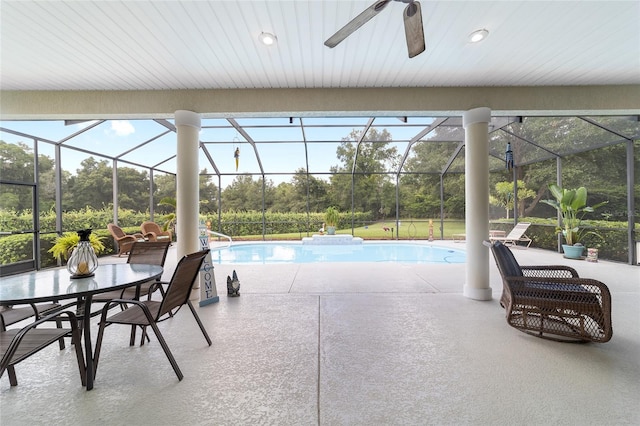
137,45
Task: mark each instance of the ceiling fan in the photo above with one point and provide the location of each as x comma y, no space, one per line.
412,25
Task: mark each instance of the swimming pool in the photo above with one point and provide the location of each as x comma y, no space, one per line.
275,253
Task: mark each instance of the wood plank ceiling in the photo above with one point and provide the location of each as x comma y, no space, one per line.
160,45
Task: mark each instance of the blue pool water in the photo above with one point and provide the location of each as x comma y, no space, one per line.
275,253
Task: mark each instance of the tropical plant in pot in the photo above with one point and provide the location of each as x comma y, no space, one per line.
65,244
331,219
572,206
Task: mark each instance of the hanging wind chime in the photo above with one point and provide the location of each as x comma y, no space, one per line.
509,157
236,153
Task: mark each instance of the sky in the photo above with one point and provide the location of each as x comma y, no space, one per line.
155,145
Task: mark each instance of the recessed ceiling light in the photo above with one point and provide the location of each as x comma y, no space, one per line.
267,39
478,36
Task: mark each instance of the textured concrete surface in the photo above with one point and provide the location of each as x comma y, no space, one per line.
348,344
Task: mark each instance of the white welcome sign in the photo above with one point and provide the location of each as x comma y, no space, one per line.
208,292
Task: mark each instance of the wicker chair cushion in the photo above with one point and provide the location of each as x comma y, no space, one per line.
507,260
554,286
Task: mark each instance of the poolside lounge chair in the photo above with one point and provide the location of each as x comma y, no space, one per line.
154,232
124,241
552,301
515,236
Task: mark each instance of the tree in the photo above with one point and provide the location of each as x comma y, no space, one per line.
318,192
165,187
246,194
375,158
133,189
208,193
16,163
572,139
92,185
420,181
285,199
503,195
166,196
47,183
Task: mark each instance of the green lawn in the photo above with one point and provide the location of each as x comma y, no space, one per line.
409,229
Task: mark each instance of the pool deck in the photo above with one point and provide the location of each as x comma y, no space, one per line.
349,344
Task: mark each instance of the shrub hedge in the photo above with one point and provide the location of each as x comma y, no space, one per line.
14,248
612,246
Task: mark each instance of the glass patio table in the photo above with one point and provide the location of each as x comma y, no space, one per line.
56,284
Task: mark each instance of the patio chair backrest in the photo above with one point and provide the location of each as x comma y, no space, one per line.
182,281
149,252
149,226
506,261
116,231
518,231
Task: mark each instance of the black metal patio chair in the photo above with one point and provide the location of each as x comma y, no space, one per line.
18,344
10,315
147,313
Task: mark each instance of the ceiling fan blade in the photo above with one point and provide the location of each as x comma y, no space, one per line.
356,23
413,29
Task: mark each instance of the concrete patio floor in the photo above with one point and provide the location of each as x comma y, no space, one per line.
348,344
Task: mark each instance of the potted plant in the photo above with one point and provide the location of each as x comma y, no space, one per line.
331,218
65,244
572,205
170,222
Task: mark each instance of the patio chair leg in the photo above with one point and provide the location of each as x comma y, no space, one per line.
61,340
13,380
167,351
96,352
75,340
195,315
145,335
132,339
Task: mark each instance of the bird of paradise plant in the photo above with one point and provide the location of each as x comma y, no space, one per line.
572,206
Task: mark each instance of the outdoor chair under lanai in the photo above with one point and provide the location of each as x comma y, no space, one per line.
553,302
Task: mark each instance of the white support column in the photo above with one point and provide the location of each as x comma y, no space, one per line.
187,182
476,126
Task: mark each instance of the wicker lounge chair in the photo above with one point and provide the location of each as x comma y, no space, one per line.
515,236
553,302
124,241
147,313
154,232
17,345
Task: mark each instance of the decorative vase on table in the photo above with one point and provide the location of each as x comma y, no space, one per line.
83,260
